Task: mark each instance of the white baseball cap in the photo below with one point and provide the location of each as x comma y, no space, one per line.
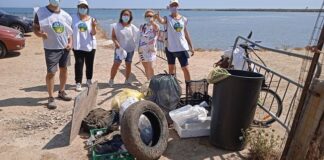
83,2
174,1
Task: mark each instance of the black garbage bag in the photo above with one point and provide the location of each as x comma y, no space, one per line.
100,118
165,91
110,146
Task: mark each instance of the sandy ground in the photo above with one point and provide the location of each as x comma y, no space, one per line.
30,131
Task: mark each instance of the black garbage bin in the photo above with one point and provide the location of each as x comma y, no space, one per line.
233,108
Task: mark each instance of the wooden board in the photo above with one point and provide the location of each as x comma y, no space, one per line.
83,104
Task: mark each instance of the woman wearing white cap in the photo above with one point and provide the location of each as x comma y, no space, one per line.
84,43
178,39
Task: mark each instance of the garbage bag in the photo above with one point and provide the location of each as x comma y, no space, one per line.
121,97
165,91
217,74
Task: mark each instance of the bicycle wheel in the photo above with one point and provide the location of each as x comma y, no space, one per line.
271,101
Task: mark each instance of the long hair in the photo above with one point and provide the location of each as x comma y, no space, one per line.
130,16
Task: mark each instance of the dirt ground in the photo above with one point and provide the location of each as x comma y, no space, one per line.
30,131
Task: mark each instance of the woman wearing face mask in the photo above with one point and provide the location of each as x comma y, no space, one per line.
147,43
84,43
124,35
178,41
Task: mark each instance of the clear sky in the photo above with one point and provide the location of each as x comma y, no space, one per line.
300,4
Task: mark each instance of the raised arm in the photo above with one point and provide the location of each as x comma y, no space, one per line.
161,20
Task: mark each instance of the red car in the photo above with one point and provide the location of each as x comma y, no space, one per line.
10,40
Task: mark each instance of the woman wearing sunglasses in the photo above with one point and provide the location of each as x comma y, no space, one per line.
147,43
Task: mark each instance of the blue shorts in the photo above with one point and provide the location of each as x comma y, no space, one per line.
129,57
182,56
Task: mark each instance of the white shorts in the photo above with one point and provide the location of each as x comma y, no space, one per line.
147,57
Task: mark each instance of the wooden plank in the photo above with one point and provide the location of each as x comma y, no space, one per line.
83,104
308,125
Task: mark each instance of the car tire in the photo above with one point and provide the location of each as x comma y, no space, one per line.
3,50
131,135
18,27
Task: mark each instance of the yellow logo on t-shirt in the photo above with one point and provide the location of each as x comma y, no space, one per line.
82,27
58,27
178,27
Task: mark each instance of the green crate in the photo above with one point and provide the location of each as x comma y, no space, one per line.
110,156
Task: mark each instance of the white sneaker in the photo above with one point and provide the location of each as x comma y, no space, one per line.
89,82
111,83
78,87
128,82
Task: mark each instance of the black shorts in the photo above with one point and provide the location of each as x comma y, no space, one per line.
55,58
182,56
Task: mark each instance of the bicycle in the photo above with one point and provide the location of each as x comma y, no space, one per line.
268,98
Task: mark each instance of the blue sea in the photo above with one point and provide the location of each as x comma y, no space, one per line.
218,29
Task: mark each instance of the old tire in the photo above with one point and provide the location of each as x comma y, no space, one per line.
131,135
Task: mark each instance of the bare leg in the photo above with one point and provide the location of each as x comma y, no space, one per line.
63,77
114,70
146,69
171,69
128,69
50,83
186,73
150,72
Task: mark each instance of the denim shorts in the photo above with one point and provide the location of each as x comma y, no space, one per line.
182,56
129,57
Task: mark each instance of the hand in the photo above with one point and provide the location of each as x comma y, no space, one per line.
94,23
44,35
157,15
68,47
192,52
117,45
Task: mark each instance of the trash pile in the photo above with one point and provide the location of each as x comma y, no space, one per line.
138,124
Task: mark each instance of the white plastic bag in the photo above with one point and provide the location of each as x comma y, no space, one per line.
188,114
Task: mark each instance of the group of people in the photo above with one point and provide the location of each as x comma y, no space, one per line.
62,33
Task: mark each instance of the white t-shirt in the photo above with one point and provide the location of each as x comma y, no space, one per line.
176,36
82,38
126,36
57,26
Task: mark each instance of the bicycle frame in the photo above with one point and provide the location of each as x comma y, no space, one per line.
290,86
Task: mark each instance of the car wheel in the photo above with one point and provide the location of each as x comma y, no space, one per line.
18,27
3,50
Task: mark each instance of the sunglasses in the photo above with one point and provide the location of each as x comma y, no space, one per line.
149,16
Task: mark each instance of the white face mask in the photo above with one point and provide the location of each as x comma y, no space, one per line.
174,9
148,20
54,2
83,11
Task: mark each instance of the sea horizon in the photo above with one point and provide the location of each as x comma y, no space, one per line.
217,29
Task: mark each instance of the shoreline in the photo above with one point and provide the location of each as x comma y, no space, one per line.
103,34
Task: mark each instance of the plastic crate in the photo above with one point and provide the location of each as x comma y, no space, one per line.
109,156
196,92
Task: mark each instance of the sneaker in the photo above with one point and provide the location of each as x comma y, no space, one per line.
78,87
89,82
51,103
62,95
128,82
111,83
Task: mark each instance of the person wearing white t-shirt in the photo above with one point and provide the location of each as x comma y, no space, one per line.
53,25
84,43
124,36
178,39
